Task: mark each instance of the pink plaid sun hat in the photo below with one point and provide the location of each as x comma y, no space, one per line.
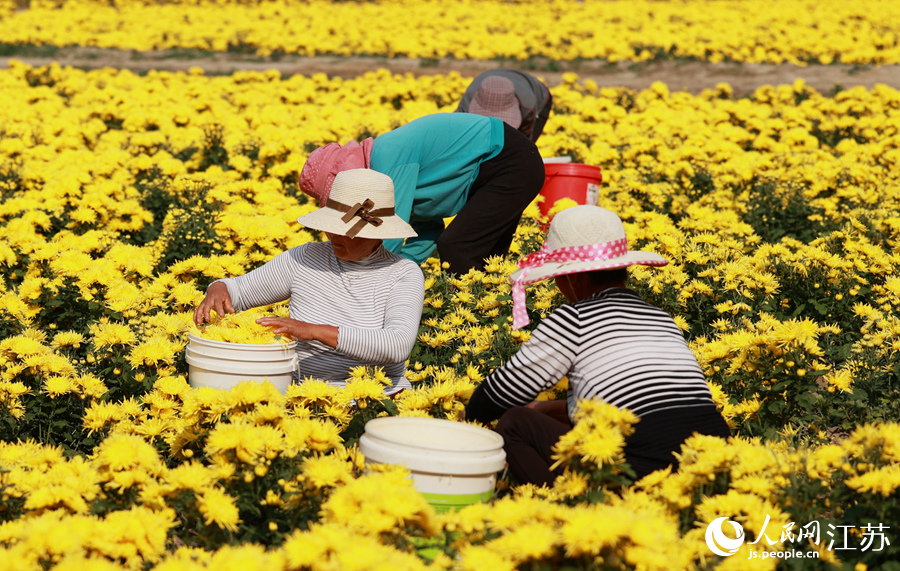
496,97
327,161
580,239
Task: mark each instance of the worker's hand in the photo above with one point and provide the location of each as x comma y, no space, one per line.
292,328
553,408
296,329
217,299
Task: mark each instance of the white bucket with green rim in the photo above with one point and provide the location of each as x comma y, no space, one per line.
222,365
451,463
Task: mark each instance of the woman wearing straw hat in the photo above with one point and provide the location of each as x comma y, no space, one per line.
611,344
518,98
352,302
478,169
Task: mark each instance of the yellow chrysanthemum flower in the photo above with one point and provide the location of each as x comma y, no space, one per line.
219,508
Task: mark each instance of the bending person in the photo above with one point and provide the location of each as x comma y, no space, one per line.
352,302
610,343
516,97
478,169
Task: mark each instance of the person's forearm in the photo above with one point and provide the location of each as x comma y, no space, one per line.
296,329
327,334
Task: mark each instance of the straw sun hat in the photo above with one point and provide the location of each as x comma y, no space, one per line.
496,97
580,239
360,205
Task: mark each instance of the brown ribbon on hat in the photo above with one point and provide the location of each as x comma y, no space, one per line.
363,211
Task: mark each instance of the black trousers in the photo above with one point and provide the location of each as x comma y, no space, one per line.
529,437
505,186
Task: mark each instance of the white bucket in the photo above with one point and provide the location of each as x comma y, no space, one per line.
222,365
452,464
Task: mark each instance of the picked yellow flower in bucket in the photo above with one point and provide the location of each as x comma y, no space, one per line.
242,327
234,349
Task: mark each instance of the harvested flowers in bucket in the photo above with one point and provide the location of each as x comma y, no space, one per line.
241,327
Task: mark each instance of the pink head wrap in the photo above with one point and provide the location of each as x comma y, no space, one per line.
326,162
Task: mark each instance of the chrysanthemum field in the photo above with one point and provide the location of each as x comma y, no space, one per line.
124,196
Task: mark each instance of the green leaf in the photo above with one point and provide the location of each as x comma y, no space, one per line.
390,407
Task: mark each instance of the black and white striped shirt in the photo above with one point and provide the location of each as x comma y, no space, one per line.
613,346
376,304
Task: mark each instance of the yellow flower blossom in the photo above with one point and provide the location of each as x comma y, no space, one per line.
219,508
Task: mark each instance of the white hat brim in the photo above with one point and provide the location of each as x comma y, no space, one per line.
328,220
553,269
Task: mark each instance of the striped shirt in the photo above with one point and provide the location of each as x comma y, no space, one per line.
376,304
613,346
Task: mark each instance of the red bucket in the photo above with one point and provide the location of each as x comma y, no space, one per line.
579,182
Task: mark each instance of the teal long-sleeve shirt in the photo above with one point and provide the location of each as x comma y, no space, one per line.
433,161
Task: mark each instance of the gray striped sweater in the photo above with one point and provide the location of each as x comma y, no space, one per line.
376,303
